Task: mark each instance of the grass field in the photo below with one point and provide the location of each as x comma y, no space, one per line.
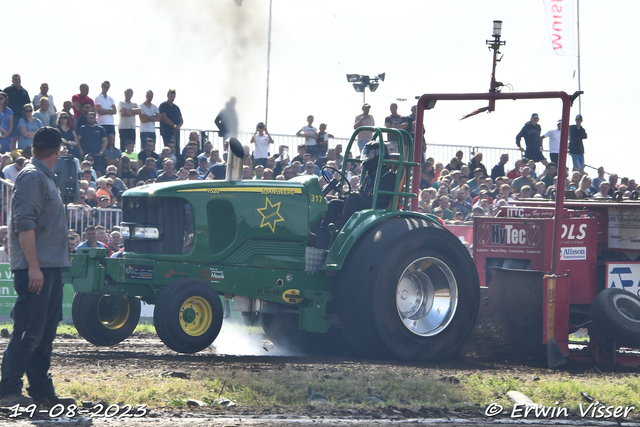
398,386
287,384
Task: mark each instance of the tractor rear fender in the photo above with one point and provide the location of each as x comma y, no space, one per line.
362,221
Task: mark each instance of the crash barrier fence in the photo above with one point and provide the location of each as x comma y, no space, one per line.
440,152
78,217
6,188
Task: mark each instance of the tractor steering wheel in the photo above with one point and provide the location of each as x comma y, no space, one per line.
333,182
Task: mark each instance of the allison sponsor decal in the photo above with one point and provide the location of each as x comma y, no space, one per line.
573,254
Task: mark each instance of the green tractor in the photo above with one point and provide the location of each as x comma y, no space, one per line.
387,282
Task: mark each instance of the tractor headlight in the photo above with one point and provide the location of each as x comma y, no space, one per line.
151,233
140,232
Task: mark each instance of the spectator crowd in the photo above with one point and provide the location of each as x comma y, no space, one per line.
455,190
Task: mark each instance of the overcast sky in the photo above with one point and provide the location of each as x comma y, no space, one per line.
209,50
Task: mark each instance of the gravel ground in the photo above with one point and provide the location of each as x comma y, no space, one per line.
148,354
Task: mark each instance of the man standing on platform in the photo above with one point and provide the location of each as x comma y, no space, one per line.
149,115
576,147
364,119
18,97
106,108
531,134
127,125
79,99
170,121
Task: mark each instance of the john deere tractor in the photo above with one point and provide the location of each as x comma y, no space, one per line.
388,282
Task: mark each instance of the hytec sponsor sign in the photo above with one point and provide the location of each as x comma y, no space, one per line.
624,275
509,235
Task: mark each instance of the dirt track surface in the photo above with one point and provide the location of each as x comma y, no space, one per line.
148,354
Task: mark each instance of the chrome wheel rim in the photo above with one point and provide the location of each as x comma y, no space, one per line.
426,296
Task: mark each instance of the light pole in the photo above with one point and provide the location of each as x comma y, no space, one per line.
360,83
495,46
266,110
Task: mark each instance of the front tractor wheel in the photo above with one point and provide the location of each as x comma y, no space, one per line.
188,316
409,289
105,320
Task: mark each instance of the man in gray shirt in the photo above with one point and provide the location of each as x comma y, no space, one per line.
38,251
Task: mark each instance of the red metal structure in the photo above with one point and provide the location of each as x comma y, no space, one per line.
571,243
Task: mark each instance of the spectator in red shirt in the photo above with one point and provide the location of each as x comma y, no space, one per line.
80,99
516,171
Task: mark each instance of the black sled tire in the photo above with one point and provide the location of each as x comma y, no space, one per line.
616,313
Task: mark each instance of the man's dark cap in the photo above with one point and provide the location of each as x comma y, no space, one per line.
579,117
47,137
103,198
534,115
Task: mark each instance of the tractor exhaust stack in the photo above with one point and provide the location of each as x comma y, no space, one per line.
235,156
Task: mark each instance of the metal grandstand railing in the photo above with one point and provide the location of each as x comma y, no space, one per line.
440,152
78,218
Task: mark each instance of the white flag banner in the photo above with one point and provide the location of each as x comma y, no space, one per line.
560,21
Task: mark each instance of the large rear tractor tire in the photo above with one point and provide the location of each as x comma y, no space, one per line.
409,289
616,313
105,320
188,316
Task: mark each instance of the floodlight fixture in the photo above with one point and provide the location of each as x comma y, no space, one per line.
496,42
497,28
362,82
